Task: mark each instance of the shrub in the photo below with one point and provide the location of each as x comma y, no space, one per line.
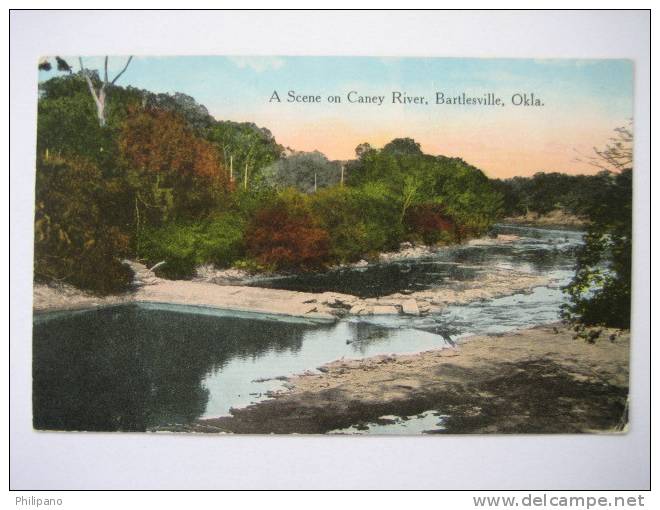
600,291
74,241
359,221
285,236
430,222
184,246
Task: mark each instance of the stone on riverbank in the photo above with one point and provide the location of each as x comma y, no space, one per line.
385,310
409,307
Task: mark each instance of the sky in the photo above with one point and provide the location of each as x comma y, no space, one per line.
583,101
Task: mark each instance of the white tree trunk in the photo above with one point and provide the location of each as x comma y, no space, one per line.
99,97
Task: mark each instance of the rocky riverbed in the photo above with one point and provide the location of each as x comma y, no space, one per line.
538,380
326,305
223,290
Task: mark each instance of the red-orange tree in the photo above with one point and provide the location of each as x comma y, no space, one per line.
284,235
430,221
183,171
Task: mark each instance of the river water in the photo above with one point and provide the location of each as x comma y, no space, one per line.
141,367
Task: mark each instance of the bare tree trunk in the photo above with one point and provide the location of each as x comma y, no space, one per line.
231,168
342,175
100,95
137,228
100,106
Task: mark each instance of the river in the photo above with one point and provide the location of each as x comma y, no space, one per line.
145,367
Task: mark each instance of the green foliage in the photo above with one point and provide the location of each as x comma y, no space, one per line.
360,221
68,127
306,171
467,196
75,240
403,146
184,246
413,178
184,106
245,148
545,192
600,291
163,180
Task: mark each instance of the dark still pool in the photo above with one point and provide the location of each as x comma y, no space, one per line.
145,367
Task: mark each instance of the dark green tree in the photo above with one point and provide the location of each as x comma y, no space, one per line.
600,291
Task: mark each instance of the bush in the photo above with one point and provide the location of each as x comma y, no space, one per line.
74,241
285,236
184,246
360,221
431,223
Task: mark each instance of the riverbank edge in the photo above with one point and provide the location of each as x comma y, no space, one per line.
554,219
319,306
325,306
533,380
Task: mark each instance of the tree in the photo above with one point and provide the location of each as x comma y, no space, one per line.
286,236
306,171
99,92
176,174
361,221
245,150
617,155
600,291
76,238
403,146
363,149
196,115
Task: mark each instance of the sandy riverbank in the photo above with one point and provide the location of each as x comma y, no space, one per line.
489,283
538,380
325,306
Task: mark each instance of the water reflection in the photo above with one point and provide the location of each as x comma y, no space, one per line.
373,280
537,251
136,368
129,368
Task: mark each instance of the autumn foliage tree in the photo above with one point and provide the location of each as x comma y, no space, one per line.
431,222
284,235
177,175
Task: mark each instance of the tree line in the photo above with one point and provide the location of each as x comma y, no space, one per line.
128,173
546,192
155,177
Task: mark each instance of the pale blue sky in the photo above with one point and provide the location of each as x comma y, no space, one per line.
584,100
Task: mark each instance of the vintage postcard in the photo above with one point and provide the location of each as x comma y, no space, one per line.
332,245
